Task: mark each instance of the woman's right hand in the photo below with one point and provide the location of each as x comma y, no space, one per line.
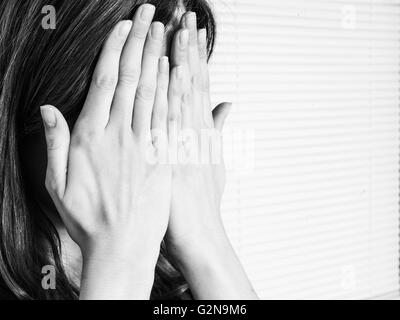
113,201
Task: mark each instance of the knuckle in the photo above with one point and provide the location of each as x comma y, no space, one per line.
129,77
162,88
116,44
145,92
176,90
160,114
196,81
52,143
83,138
153,50
139,32
174,116
162,84
105,81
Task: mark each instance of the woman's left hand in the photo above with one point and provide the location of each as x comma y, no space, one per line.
196,237
199,173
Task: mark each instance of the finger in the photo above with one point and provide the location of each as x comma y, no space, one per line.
96,110
58,139
203,57
175,93
204,77
130,68
194,110
220,113
160,111
187,112
179,56
145,93
189,22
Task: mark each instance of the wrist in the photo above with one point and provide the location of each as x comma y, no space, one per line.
126,252
203,246
213,270
118,271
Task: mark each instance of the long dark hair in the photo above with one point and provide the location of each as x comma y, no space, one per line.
40,67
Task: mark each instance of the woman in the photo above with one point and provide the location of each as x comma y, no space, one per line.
111,88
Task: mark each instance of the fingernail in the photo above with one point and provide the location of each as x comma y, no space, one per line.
164,65
125,28
147,12
203,35
157,30
179,72
191,20
184,38
48,116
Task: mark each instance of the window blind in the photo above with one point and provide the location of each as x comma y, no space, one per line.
312,144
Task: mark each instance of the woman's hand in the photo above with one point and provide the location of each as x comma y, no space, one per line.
113,200
196,236
199,173
199,178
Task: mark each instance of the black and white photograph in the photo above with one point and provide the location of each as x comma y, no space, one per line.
228,151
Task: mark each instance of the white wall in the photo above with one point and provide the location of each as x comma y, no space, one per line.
312,202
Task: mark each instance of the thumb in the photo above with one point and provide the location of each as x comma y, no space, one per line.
57,138
220,113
